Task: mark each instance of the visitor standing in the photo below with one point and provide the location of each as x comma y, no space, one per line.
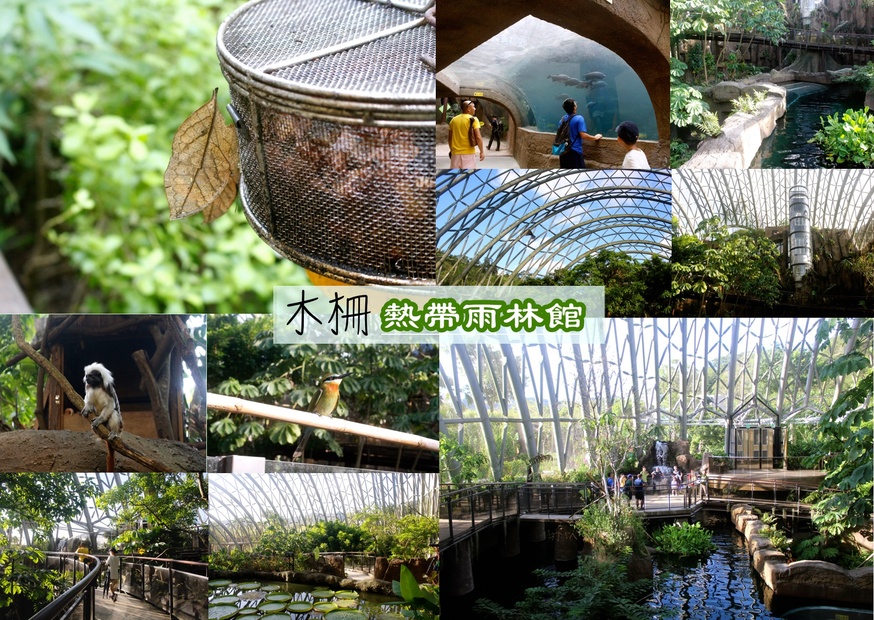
627,134
572,157
465,138
639,485
113,563
497,129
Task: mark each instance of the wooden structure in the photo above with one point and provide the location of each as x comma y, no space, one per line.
140,352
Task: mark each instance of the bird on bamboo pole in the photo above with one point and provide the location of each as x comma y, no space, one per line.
324,403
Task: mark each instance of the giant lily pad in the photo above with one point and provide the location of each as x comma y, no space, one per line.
219,583
270,588
279,596
248,611
275,617
252,595
324,607
347,603
300,607
249,585
345,614
220,612
322,593
224,600
346,594
271,606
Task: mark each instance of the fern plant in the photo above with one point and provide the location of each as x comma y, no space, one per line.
709,124
749,104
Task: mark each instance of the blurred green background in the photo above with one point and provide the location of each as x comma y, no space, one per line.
91,93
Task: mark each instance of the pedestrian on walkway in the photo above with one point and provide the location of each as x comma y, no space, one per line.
113,564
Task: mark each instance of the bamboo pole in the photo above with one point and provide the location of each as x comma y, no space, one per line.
284,414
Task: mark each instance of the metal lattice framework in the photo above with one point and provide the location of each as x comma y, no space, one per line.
670,372
839,199
240,503
92,520
505,225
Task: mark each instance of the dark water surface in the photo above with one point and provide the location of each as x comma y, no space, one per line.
788,146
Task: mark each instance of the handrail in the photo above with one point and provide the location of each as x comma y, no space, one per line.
69,598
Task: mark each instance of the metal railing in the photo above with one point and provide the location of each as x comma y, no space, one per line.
80,594
177,587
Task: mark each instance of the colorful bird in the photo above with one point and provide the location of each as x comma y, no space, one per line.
323,403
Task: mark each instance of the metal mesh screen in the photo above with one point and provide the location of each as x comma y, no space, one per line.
336,134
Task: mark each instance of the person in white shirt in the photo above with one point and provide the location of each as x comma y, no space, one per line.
113,563
627,134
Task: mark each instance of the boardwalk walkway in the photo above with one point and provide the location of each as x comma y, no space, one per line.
126,607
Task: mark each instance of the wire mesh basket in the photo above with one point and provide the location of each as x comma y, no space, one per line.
334,107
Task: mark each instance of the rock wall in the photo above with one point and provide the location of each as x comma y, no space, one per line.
810,579
533,149
742,134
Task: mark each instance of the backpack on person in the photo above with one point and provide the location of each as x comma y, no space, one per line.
562,141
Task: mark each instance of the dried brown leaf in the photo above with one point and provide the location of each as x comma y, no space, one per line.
204,169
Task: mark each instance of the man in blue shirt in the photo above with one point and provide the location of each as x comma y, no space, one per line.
573,157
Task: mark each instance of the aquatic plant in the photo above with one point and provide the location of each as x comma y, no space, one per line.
612,533
594,590
684,540
848,139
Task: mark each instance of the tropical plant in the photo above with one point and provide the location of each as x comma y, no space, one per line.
680,153
612,531
709,124
463,463
843,504
420,601
848,139
774,533
684,540
749,104
594,590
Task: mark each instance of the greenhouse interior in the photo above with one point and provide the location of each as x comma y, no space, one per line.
773,243
59,533
365,543
730,457
559,227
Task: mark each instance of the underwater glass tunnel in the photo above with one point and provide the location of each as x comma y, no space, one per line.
533,66
499,227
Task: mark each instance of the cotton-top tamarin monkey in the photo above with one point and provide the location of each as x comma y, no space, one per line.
101,398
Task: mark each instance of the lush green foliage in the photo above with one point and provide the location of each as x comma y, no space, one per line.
687,106
392,386
420,601
631,287
17,382
774,533
169,503
92,95
612,532
844,502
862,77
749,104
680,153
848,139
709,124
594,590
716,262
24,588
463,464
684,540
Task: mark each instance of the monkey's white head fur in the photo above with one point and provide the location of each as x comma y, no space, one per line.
93,370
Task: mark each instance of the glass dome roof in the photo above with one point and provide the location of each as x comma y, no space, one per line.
531,222
668,372
241,503
839,199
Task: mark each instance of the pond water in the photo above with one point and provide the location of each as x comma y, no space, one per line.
294,601
788,146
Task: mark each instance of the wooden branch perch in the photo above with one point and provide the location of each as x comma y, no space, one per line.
77,401
283,414
159,407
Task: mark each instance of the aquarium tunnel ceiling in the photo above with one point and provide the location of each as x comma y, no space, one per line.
241,504
668,372
838,199
534,66
522,223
